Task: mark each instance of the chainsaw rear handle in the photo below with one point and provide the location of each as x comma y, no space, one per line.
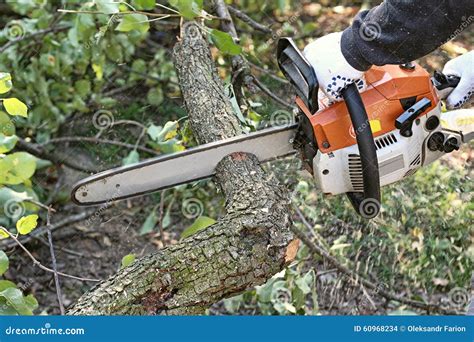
366,204
445,84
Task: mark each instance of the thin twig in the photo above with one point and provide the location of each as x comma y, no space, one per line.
55,157
249,21
53,261
61,249
151,14
271,94
148,76
34,34
4,244
40,265
241,76
269,73
122,122
39,204
162,208
316,249
99,141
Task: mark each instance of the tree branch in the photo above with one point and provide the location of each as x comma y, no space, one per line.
43,230
32,35
56,158
249,21
245,248
40,265
100,141
53,262
241,76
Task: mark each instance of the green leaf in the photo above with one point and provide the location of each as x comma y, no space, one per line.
26,224
107,6
150,222
235,105
144,4
83,88
31,302
189,9
6,125
7,143
305,282
5,82
42,163
154,131
7,194
3,262
17,168
15,299
3,235
13,106
225,43
99,70
5,284
264,292
155,96
128,260
132,158
169,131
161,134
131,22
201,223
169,146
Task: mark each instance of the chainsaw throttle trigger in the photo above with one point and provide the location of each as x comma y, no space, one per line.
405,121
299,72
366,204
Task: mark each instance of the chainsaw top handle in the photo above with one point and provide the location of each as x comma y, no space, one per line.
302,76
299,72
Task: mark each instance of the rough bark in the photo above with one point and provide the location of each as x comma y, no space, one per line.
245,248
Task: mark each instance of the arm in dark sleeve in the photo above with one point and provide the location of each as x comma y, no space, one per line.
400,31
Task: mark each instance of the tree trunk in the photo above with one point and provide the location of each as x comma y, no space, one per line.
244,249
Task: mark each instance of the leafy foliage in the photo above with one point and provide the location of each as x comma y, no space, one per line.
12,299
201,223
128,260
225,43
26,224
15,169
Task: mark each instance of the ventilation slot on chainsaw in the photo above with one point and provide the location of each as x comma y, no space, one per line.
385,141
410,173
355,173
416,161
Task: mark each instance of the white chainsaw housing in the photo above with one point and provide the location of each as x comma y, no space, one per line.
399,157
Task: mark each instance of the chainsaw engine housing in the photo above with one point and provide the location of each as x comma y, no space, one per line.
394,93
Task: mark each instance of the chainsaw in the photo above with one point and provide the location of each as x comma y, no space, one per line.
353,147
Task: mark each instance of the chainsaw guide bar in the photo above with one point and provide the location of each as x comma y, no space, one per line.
179,168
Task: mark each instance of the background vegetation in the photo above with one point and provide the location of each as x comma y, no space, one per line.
101,91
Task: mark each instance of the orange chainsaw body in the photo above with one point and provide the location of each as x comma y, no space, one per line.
388,87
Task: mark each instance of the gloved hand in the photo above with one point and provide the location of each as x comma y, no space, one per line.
332,69
463,67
